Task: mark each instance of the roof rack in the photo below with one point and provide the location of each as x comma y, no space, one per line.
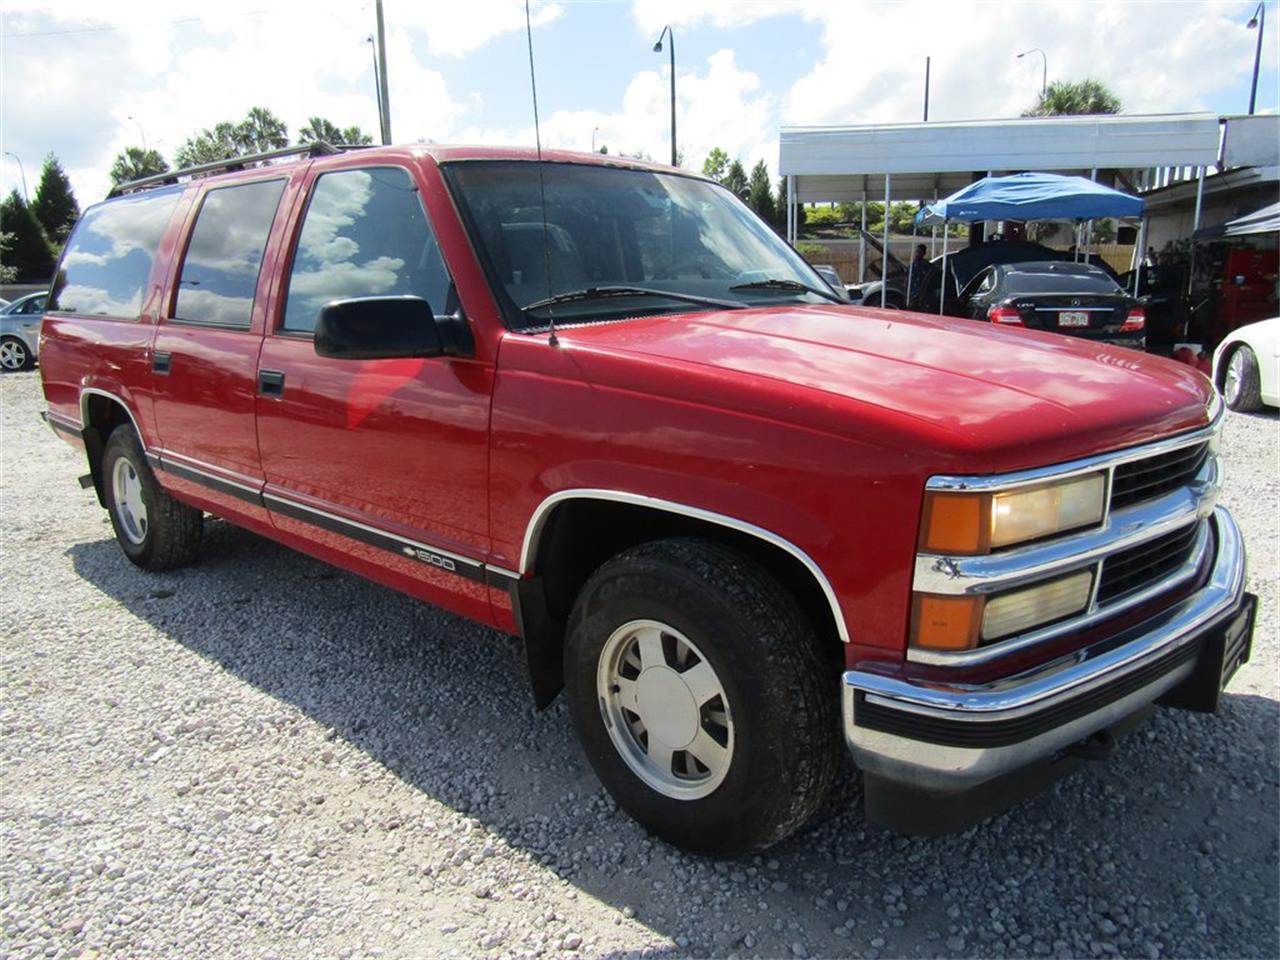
317,149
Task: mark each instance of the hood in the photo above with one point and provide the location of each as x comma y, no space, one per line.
998,399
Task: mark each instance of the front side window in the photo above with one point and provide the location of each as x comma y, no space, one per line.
107,263
609,227
220,271
365,234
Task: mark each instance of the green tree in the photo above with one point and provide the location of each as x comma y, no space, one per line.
135,163
1073,98
208,146
55,205
760,193
8,272
28,252
259,131
320,130
736,178
716,164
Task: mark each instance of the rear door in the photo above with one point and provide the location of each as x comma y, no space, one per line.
382,465
204,358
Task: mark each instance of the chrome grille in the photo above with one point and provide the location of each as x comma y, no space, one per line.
1155,476
1147,563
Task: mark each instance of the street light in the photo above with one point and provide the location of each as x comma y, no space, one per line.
671,46
1044,71
141,133
1257,22
21,170
594,131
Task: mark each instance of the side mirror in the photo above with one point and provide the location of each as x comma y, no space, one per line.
379,328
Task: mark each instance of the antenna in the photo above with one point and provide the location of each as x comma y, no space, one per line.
542,187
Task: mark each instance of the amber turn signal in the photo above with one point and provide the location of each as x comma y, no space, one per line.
956,523
945,623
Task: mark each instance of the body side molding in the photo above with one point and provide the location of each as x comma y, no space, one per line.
533,533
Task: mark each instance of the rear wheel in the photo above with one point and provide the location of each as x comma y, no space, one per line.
1242,384
14,354
701,696
154,530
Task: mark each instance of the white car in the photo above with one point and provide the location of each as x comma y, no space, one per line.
20,331
1246,366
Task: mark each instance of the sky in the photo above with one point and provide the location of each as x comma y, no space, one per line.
86,78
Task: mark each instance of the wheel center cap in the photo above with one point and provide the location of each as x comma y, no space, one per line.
667,707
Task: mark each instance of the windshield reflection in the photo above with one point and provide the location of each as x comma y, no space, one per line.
615,227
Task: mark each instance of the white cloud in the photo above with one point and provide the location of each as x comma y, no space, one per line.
721,105
468,26
196,64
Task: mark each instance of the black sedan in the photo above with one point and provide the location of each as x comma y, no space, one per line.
1077,299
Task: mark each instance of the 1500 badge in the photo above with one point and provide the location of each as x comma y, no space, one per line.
426,556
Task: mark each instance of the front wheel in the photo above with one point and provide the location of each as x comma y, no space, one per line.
702,696
154,530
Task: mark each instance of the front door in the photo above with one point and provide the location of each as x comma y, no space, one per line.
382,461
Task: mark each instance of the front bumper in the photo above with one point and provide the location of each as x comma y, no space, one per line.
943,739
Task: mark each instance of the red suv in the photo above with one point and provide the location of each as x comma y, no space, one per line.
600,405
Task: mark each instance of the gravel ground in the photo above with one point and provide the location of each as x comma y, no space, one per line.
261,756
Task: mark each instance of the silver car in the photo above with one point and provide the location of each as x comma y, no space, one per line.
20,331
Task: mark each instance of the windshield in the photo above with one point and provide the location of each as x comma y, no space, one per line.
608,227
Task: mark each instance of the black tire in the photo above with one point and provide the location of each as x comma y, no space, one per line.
172,533
781,692
18,357
1248,396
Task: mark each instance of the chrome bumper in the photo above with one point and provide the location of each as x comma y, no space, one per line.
945,738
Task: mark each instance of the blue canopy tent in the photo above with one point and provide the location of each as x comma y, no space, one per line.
1025,196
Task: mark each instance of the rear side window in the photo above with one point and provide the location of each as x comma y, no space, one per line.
107,263
365,235
220,271
1064,281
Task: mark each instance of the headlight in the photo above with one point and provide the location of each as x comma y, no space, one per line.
976,523
953,623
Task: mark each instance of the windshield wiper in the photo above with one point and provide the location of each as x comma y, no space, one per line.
605,293
778,284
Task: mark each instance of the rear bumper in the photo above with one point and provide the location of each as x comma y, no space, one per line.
945,739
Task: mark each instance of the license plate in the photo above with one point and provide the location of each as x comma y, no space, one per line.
1238,640
1073,318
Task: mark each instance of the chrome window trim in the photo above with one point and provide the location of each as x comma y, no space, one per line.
533,532
993,483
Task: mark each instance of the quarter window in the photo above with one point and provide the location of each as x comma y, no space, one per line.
107,263
365,235
220,271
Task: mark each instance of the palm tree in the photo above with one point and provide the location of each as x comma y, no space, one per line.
1074,98
136,163
320,130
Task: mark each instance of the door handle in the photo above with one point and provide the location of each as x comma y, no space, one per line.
271,383
161,362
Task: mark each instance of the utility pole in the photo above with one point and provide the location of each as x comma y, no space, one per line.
671,46
926,88
384,101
